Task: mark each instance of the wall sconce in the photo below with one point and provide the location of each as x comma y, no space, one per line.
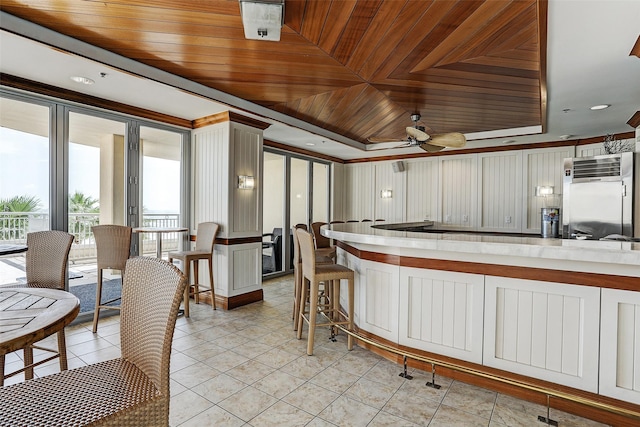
245,182
544,190
386,194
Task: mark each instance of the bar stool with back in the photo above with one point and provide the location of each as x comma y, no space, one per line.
322,244
316,273
113,244
205,240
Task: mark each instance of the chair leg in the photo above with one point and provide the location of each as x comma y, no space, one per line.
62,350
213,286
96,311
351,309
2,370
186,267
196,280
313,308
297,288
302,303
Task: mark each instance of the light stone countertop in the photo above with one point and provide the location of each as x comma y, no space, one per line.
624,257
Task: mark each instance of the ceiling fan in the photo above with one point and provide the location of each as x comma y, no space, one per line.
417,137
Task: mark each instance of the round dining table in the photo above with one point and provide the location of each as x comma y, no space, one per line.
28,315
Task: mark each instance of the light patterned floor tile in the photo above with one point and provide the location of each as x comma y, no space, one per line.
219,388
348,412
214,416
282,415
247,403
311,398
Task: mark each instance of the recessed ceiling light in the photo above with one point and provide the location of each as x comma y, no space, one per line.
565,137
508,141
83,80
310,144
600,107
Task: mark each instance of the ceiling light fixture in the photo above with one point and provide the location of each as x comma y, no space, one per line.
82,80
565,137
600,107
310,144
262,19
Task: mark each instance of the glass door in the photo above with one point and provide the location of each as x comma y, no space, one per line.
273,220
24,179
97,187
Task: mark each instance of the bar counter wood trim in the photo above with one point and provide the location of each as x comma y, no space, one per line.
626,283
231,242
229,303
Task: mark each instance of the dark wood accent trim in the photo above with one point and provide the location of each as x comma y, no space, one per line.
229,303
634,121
229,116
501,387
635,51
510,147
542,49
81,98
231,242
280,146
627,283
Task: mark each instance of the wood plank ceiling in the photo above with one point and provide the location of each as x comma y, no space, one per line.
355,67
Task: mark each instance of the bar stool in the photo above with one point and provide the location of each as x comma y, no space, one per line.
322,244
297,273
316,273
205,241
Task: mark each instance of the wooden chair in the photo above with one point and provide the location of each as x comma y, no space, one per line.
316,273
132,390
46,267
297,273
205,240
113,244
322,244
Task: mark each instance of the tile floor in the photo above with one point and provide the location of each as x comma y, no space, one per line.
244,367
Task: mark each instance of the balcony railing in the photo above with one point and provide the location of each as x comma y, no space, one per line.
14,227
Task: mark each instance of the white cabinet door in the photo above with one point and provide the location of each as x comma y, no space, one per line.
441,312
377,299
620,345
543,330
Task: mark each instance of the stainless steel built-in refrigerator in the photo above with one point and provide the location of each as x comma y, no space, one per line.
598,196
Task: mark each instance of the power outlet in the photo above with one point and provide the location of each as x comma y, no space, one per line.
465,218
507,219
447,218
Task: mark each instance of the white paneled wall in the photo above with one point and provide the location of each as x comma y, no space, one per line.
359,191
542,166
620,345
246,159
444,312
210,166
543,330
499,189
338,192
458,191
377,287
422,190
391,209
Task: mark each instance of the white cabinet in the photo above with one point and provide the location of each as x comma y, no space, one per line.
620,345
543,330
441,312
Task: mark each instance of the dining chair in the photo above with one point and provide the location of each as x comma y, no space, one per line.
113,245
132,390
322,244
297,272
315,274
205,240
46,267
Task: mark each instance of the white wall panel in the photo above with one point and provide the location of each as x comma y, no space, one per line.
422,189
338,192
590,150
392,209
542,166
359,187
620,345
458,191
443,312
500,191
543,330
246,159
210,171
245,263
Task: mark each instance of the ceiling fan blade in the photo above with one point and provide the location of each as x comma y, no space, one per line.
417,134
431,148
453,140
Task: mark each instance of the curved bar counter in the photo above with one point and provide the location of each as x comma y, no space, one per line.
557,314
